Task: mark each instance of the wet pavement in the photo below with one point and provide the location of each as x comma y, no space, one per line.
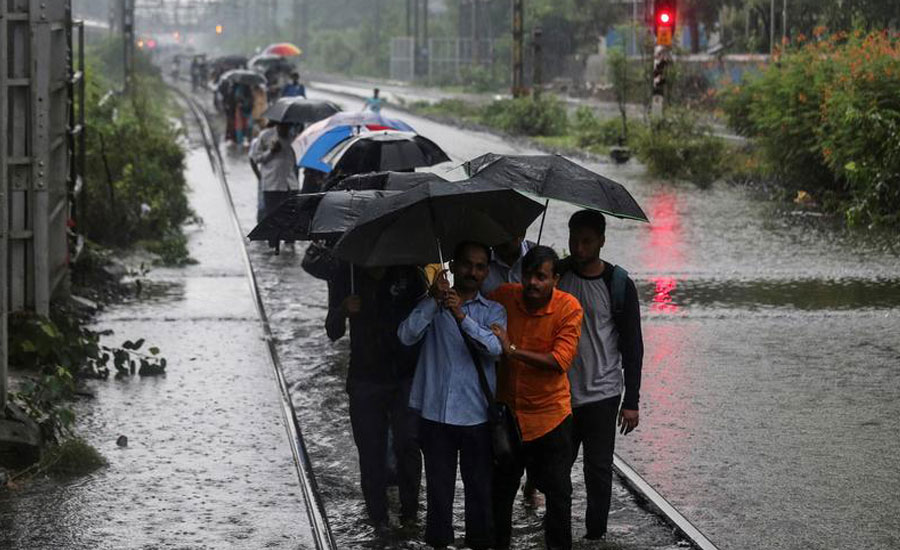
208,463
771,393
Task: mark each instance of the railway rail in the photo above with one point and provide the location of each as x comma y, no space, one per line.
315,508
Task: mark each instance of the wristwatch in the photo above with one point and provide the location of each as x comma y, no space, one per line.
512,347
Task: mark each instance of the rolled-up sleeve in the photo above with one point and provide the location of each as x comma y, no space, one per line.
413,328
566,336
480,333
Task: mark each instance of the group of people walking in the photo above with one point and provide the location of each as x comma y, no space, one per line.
557,340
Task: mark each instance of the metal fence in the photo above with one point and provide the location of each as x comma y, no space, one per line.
446,60
40,135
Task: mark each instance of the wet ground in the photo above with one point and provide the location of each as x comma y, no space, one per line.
208,463
770,412
317,369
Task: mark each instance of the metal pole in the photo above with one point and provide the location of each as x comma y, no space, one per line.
784,25
771,27
517,49
4,205
476,35
537,66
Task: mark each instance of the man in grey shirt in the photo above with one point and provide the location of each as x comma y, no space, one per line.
609,359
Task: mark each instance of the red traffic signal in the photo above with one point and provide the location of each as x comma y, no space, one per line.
664,13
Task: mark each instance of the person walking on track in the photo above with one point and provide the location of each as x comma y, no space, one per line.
611,344
544,326
375,301
454,326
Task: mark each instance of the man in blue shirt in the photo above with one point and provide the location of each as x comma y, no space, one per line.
294,89
447,394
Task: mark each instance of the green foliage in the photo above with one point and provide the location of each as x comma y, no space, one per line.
59,351
544,116
827,118
72,457
679,146
479,79
455,108
134,183
590,131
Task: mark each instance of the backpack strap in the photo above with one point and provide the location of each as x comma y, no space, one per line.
617,291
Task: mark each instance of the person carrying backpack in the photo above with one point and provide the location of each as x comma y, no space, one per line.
609,359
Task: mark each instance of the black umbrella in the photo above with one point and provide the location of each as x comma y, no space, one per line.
227,62
392,181
299,110
314,216
424,224
243,76
555,177
387,150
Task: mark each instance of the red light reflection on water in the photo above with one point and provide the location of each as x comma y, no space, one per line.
664,250
662,295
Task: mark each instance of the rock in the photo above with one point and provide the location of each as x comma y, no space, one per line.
122,441
4,477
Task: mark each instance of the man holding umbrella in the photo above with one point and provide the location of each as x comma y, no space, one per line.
272,155
453,325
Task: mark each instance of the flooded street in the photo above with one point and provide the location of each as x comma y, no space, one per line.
770,415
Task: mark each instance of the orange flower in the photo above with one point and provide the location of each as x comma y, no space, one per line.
819,31
801,38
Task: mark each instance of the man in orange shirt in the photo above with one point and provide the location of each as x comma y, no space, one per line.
544,325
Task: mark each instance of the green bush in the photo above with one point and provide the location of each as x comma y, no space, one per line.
134,183
544,116
590,131
679,146
827,118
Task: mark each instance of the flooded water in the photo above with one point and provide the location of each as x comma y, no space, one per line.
208,464
770,412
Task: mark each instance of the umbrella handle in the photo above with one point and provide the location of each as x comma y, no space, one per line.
441,259
352,285
543,217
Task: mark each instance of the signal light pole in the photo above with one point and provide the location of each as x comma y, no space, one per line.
664,29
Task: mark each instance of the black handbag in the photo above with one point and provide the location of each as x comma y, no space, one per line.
506,436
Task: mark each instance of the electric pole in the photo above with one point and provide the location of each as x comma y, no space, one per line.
518,48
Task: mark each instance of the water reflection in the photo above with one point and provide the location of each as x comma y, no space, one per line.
664,250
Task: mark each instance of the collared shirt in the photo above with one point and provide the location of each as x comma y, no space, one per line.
500,273
277,170
540,397
376,354
445,387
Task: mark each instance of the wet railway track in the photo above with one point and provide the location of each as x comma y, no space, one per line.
315,508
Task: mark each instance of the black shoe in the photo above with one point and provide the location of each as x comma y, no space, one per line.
595,536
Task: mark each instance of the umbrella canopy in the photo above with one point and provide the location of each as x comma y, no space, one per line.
409,227
267,62
299,110
285,49
227,62
389,181
555,177
242,76
386,150
319,139
315,215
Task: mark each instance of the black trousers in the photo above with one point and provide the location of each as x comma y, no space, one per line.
548,460
271,201
441,444
375,408
595,429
